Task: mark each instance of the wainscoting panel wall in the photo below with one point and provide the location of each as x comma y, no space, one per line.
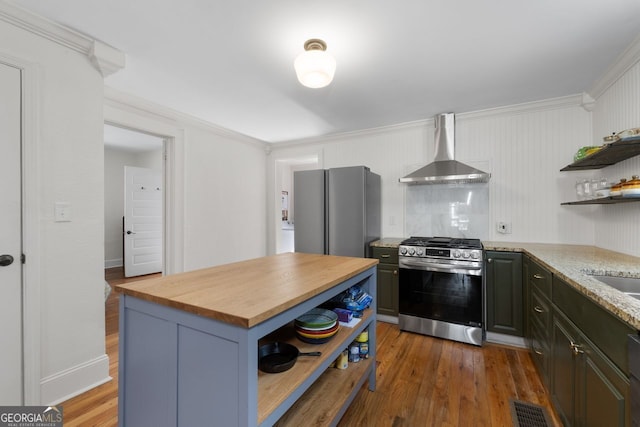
617,227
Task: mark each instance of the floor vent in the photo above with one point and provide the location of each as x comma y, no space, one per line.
526,414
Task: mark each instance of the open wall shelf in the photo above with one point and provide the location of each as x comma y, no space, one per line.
604,201
609,155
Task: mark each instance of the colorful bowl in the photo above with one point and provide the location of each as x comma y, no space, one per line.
318,334
317,318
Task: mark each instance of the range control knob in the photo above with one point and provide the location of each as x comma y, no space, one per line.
419,251
412,251
465,255
403,251
456,254
474,255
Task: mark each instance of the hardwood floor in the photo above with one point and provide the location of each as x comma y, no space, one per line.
424,381
421,381
99,406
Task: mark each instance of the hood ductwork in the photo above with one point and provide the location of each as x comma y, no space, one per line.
445,169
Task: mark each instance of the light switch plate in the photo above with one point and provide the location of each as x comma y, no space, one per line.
62,212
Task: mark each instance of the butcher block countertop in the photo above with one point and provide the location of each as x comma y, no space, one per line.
247,293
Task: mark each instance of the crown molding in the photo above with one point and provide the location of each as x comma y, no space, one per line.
105,58
620,66
137,105
588,103
351,134
528,107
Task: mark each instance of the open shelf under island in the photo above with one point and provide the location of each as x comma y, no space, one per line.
189,343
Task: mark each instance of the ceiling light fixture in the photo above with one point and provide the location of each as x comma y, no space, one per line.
315,67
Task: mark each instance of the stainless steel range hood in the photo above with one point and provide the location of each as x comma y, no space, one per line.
445,169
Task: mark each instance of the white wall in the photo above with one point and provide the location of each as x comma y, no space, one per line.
216,212
224,199
523,147
114,162
65,125
617,227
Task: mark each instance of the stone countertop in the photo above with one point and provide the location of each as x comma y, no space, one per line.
387,242
577,264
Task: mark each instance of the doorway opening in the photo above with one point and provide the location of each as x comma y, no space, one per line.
285,224
134,200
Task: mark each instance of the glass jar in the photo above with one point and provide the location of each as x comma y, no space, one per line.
579,190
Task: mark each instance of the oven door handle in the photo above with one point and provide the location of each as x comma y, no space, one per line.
427,266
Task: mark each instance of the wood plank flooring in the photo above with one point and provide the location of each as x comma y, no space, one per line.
421,381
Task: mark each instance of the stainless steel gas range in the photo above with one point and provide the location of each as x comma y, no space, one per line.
441,287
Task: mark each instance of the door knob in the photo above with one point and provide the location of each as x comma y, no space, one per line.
130,232
6,260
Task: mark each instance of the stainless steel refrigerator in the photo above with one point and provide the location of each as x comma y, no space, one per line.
336,211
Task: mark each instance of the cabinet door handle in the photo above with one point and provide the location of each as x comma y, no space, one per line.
489,260
538,276
576,348
385,256
538,309
538,352
395,272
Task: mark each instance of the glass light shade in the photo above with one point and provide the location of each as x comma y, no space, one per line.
315,68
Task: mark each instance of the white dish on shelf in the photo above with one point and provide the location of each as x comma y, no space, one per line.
633,192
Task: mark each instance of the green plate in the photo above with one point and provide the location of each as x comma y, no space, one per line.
317,318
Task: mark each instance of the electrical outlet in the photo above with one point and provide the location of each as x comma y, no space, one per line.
503,227
62,212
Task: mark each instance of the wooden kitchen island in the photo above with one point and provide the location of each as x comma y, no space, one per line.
189,344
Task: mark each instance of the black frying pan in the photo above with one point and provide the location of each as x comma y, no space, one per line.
279,356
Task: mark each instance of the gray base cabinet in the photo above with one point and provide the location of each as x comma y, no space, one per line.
388,291
503,275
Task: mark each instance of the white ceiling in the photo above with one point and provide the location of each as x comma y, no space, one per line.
231,62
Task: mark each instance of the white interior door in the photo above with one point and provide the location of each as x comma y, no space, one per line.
10,238
143,223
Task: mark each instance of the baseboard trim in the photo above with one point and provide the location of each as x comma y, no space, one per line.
496,338
111,263
387,319
71,382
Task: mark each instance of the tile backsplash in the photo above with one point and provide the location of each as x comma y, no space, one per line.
448,210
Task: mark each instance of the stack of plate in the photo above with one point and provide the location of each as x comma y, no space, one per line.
317,326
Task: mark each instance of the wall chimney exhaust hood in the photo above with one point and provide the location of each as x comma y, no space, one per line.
445,169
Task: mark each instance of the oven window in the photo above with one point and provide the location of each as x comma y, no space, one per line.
450,297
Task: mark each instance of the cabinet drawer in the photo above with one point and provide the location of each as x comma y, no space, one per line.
540,278
540,351
386,255
540,311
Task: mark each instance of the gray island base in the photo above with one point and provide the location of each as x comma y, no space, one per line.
189,358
